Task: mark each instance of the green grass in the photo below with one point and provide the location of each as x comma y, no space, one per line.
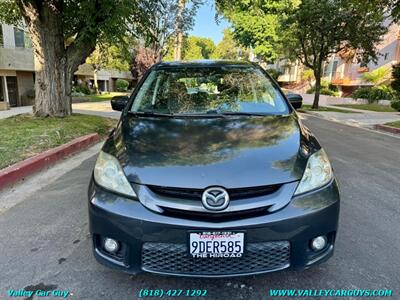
98,98
306,107
372,107
394,124
23,136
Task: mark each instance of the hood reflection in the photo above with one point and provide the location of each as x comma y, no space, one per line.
157,142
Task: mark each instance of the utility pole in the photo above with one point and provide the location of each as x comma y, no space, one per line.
179,34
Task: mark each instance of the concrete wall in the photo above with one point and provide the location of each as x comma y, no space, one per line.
19,59
330,100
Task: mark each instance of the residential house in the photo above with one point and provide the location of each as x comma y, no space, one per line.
17,70
342,71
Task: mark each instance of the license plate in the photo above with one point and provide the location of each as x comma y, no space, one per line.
216,244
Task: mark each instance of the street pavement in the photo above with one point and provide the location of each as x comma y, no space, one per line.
45,242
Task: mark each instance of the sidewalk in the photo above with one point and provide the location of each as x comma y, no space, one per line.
90,108
363,118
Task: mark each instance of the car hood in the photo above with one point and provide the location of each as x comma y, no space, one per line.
232,152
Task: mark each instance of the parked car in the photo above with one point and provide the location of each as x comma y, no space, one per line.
210,173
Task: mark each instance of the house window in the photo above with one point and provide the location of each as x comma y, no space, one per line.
19,38
334,68
386,55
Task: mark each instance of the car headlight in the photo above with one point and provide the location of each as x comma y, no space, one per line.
109,174
318,172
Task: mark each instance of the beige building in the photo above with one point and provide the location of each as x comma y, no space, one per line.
17,74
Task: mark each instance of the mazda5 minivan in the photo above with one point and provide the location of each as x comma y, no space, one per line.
210,173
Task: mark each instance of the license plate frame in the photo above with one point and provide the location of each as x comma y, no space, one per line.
240,236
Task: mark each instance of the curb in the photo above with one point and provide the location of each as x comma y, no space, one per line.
387,128
45,159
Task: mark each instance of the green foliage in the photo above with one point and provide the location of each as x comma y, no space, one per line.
9,12
194,47
121,85
396,105
326,89
308,75
395,84
109,57
81,88
228,48
274,73
373,94
376,76
256,23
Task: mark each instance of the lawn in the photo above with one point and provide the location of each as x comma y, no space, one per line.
394,124
306,108
373,107
23,136
97,98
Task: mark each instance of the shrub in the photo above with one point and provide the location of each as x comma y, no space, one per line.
274,73
326,89
396,78
122,85
396,105
81,88
373,94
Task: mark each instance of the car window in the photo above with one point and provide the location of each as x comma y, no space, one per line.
201,90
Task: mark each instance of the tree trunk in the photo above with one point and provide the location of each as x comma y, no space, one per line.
179,33
54,63
96,84
52,84
317,75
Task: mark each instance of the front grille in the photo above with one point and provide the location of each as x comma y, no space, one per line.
213,217
171,258
195,194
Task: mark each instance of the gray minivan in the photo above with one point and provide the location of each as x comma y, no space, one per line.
210,173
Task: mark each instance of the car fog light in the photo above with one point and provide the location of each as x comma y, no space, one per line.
111,245
318,243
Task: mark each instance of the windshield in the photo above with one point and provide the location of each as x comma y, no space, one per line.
205,90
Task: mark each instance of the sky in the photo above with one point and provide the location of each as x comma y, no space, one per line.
205,24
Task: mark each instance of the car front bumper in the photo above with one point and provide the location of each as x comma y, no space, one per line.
154,242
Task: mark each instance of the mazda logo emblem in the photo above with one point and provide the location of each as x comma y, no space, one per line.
215,198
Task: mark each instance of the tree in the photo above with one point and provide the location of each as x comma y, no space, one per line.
376,76
64,33
143,59
256,23
164,19
179,30
228,48
194,47
107,57
318,29
395,84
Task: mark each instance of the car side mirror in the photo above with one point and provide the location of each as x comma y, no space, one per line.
119,102
295,99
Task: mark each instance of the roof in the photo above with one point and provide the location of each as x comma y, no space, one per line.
203,63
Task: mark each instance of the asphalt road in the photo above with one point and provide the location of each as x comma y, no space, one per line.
45,242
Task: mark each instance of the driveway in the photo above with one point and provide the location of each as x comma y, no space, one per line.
45,242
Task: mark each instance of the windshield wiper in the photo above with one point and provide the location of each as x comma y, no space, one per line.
150,114
239,113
